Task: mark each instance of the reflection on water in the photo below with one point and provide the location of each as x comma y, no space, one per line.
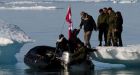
119,71
62,72
14,70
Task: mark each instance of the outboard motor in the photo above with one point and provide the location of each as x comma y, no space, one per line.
65,59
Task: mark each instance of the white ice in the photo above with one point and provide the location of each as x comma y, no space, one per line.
129,55
12,38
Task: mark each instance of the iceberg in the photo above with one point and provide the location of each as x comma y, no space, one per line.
30,8
27,2
12,38
51,1
124,1
5,41
27,5
129,55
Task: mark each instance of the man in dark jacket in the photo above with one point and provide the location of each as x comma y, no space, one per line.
102,26
89,24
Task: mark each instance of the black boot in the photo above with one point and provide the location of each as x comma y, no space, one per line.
100,44
105,43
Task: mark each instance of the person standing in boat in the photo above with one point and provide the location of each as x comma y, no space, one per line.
62,43
89,24
119,27
102,27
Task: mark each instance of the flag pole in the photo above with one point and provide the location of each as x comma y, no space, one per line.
69,21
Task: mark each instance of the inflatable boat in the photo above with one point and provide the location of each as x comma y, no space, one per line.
46,58
42,57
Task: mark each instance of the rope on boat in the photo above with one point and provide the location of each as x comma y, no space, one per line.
62,28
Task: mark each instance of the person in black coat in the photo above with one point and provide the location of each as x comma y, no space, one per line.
119,27
89,25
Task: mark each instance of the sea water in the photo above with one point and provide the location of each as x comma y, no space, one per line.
43,21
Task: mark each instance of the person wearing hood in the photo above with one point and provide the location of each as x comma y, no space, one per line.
119,27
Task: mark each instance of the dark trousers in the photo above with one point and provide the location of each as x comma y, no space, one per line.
101,33
119,38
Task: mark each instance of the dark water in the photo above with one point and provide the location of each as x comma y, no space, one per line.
44,26
12,70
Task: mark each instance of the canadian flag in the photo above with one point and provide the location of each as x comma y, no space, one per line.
69,21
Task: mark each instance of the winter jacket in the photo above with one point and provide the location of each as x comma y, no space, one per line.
102,21
89,24
111,20
118,23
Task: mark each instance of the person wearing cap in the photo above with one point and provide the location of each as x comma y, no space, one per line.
89,25
62,43
102,26
111,28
